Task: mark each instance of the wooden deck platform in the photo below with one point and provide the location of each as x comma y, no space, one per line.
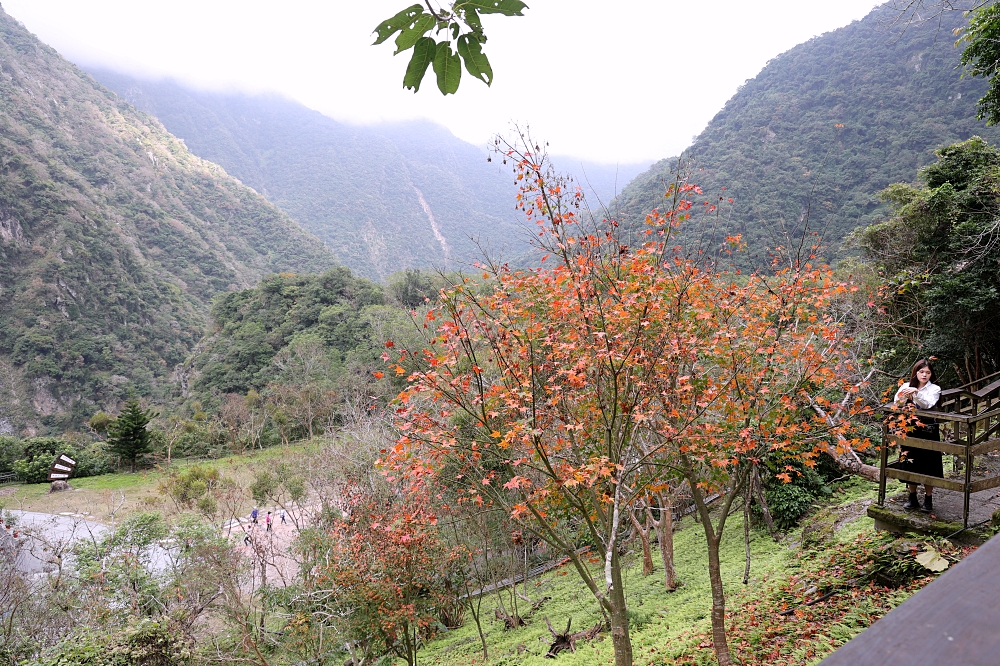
946,519
951,621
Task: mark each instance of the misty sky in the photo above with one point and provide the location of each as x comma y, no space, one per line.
622,81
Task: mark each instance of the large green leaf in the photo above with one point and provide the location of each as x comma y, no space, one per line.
476,63
471,18
411,33
505,7
400,21
448,67
931,559
424,51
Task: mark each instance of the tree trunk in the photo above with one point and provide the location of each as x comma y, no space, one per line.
759,493
718,600
713,537
643,532
665,535
619,616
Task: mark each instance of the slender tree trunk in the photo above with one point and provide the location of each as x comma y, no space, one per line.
746,535
713,535
665,535
718,599
759,494
619,616
643,532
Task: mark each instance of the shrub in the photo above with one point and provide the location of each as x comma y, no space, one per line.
11,450
192,486
141,643
788,502
38,453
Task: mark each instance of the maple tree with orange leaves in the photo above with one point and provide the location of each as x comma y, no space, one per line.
380,576
570,393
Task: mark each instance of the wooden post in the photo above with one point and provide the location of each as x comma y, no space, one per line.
969,430
884,460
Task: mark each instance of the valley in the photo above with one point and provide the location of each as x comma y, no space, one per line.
369,394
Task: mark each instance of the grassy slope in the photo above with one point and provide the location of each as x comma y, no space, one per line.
92,497
670,627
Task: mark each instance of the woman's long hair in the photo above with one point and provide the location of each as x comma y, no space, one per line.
917,367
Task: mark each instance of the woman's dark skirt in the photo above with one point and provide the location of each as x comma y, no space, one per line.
922,461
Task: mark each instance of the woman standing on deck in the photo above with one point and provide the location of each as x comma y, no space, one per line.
923,393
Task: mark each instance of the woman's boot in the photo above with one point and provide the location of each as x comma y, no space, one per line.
928,504
912,504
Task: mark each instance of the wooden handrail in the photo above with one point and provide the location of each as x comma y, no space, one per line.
892,408
986,390
981,379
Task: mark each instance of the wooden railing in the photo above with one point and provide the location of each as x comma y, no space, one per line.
969,421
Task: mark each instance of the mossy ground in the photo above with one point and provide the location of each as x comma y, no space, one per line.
674,628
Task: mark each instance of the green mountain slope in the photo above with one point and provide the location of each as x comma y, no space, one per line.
780,151
113,240
383,198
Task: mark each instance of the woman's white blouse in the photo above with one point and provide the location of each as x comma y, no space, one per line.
925,398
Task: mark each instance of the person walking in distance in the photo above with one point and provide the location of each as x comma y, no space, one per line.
267,521
924,394
282,516
253,516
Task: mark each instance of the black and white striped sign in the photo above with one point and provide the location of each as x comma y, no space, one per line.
62,468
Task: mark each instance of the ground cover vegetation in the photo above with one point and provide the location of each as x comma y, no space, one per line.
170,587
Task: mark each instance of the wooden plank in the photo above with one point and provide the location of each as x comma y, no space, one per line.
985,484
923,479
62,468
989,388
985,447
951,621
928,444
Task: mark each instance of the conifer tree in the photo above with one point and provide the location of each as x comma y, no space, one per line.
128,437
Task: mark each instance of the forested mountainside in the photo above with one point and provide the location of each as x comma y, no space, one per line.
293,331
113,240
821,130
383,198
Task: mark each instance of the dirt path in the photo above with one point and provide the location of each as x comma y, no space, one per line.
45,538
